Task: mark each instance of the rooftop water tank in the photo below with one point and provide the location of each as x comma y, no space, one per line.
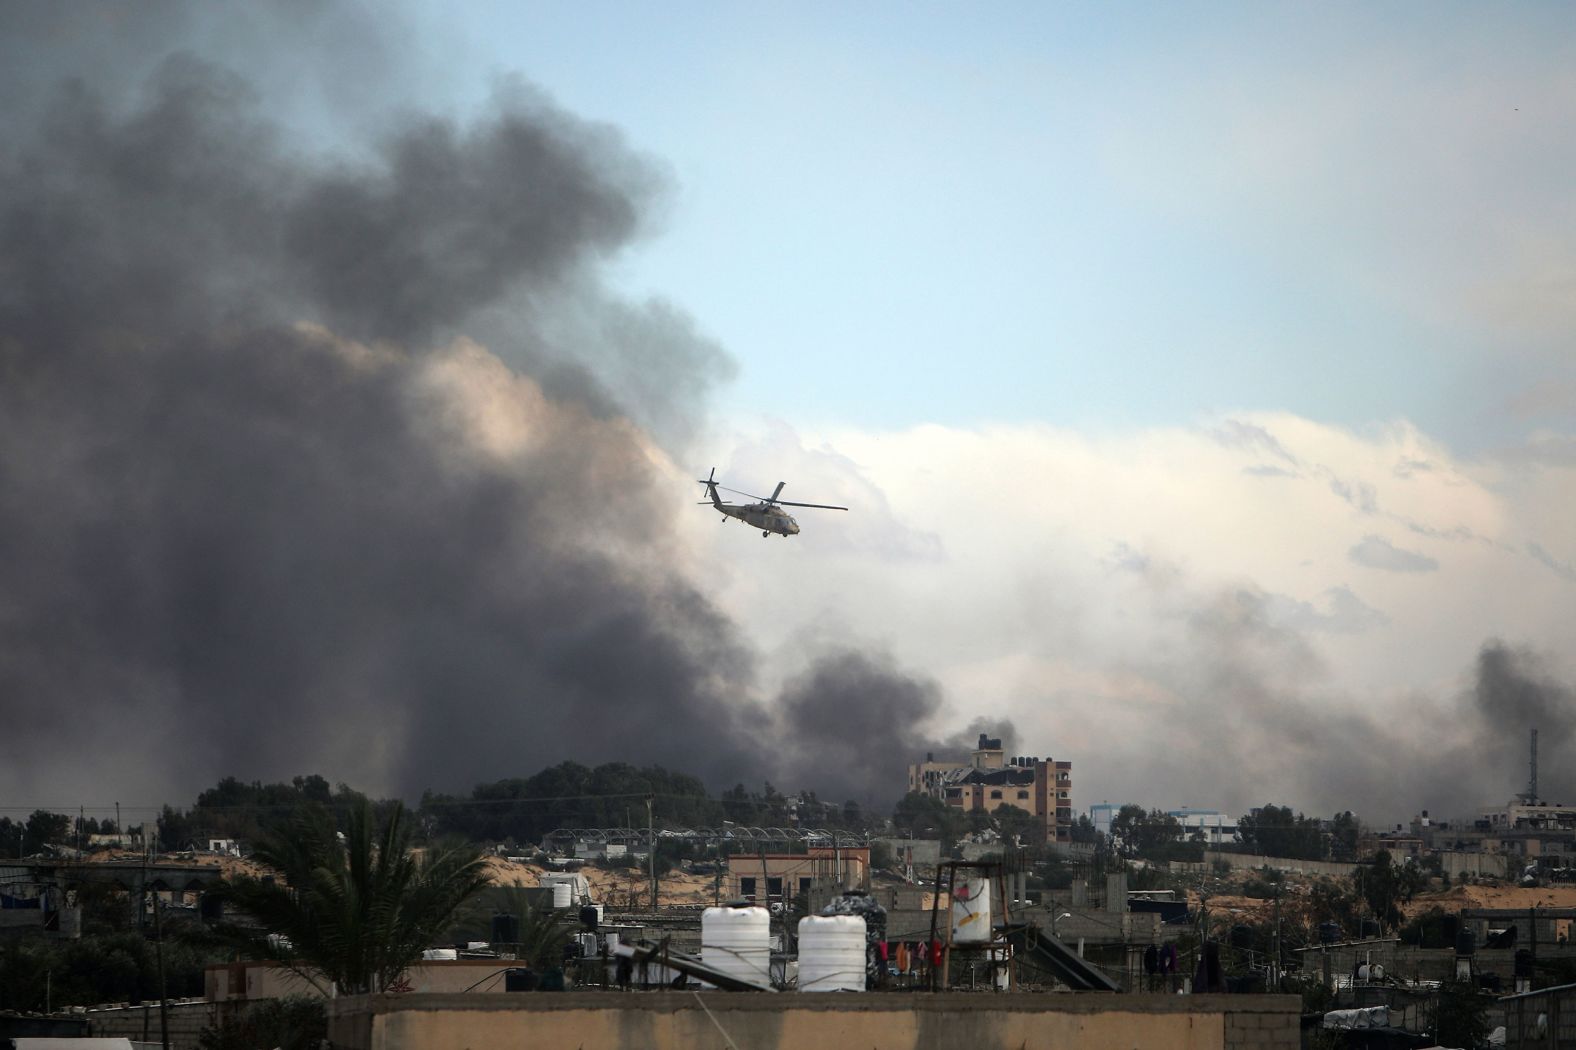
971,911
563,895
738,942
831,953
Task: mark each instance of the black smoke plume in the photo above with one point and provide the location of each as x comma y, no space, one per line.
342,456
264,509
854,721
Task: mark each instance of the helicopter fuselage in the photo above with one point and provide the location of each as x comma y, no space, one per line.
763,516
766,514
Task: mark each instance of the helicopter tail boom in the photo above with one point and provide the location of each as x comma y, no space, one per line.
711,488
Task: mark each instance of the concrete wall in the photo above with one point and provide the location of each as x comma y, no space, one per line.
1405,962
186,1021
927,852
686,1021
252,981
1334,869
1495,865
1544,1020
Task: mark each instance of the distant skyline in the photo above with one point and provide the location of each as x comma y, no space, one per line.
1199,381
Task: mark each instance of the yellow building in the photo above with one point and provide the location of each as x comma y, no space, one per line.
767,878
991,780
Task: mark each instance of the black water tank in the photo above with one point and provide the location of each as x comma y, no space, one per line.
1466,941
505,929
588,917
1523,962
520,979
1329,932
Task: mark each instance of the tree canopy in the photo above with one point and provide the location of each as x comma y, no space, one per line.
570,795
1384,886
1276,831
355,913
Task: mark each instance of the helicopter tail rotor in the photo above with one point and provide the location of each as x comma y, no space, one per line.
711,488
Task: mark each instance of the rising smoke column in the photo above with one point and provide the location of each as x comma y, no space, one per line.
264,507
853,722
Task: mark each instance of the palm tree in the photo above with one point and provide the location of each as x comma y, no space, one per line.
357,909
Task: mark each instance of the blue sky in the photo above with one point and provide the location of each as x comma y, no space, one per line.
899,214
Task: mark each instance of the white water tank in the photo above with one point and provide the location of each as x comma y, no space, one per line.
738,942
563,895
832,953
971,911
439,955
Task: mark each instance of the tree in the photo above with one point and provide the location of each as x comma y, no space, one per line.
1084,829
1461,1014
1017,824
1344,832
11,832
46,829
1154,835
295,1022
1275,831
918,815
1384,886
355,913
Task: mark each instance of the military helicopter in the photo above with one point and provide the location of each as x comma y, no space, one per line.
766,515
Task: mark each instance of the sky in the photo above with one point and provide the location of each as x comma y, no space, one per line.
1197,381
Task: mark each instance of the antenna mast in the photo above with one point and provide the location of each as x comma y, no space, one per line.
1532,776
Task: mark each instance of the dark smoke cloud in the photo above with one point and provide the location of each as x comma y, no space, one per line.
255,515
853,723
342,460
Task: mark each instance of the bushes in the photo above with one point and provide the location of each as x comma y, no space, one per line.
295,1022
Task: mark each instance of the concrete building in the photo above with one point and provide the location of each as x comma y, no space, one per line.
773,877
991,780
1102,813
1217,828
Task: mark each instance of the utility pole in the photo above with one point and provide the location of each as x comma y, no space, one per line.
158,948
651,851
1275,971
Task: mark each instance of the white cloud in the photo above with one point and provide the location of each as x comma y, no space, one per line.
1376,552
1107,592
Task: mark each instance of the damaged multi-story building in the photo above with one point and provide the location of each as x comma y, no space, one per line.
990,780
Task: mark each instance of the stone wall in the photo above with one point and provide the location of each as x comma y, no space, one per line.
689,1021
1333,869
186,1020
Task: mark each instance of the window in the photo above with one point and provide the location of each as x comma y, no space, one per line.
995,794
747,888
954,792
804,885
1023,794
774,887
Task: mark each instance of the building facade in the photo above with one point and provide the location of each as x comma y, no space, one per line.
990,780
768,878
